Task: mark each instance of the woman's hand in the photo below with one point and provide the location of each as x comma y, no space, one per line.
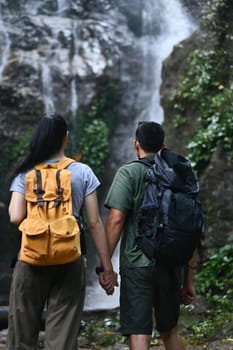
108,281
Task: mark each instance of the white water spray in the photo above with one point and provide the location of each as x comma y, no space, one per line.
47,88
165,24
5,49
61,6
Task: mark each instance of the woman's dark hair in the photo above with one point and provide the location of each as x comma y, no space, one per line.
45,142
150,136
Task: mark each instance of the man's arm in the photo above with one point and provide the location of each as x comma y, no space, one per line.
114,228
188,289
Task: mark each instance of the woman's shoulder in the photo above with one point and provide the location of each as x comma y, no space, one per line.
79,166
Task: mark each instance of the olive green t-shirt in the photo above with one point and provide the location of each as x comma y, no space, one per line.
126,194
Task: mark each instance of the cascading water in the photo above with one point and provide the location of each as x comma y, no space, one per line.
51,56
165,23
47,91
73,89
61,6
5,49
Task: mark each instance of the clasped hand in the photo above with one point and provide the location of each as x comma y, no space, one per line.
108,281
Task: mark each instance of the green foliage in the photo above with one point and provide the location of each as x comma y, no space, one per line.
19,149
94,146
201,330
10,155
215,280
105,106
205,86
90,137
218,18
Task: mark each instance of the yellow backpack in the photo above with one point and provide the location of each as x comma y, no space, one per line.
50,233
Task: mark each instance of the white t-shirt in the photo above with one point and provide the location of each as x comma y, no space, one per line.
83,183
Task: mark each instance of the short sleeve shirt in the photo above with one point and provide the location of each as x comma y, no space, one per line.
83,183
126,194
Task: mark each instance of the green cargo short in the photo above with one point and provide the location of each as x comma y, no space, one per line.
148,289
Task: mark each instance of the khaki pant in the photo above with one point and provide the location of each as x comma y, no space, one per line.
59,288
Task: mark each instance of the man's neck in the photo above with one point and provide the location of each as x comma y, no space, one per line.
143,154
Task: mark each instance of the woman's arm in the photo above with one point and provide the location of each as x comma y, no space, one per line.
17,208
98,234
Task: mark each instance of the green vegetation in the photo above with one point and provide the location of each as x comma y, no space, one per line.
94,146
19,149
207,88
215,283
215,280
94,127
204,86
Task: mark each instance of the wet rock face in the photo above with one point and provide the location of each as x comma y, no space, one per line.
54,56
217,178
51,46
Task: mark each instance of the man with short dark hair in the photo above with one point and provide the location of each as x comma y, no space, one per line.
144,286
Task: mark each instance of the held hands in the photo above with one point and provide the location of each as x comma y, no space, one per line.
108,280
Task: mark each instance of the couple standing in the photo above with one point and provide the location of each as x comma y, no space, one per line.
144,287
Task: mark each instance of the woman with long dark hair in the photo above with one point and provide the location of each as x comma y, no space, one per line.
60,287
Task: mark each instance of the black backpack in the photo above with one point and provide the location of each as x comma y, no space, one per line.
170,222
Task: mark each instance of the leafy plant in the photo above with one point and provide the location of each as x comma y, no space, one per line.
205,87
91,135
94,146
215,280
18,150
217,18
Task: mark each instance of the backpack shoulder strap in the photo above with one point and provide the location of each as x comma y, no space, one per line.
144,161
185,179
62,164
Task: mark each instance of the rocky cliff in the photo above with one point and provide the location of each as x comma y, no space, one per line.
216,176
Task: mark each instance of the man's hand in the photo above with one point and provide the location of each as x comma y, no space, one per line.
108,280
188,294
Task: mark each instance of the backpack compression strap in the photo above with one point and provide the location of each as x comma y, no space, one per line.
59,189
39,192
62,164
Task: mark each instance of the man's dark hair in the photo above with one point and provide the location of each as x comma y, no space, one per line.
150,136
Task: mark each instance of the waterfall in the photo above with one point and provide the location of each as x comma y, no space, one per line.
5,49
61,6
47,88
73,92
164,25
